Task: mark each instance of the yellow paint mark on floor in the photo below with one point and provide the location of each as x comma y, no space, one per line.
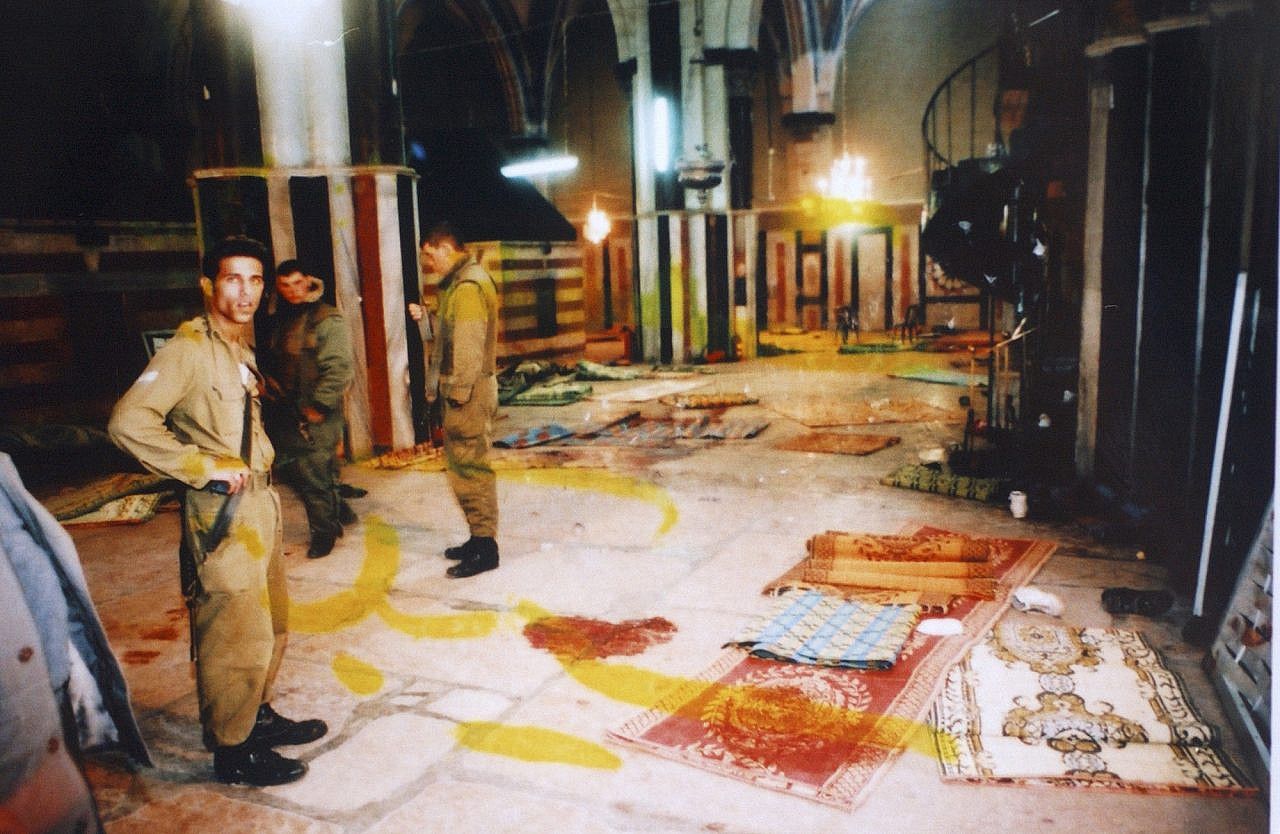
609,483
368,595
534,744
466,626
346,608
356,675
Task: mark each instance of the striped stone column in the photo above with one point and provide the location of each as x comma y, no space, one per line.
326,181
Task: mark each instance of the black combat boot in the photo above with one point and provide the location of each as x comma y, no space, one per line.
272,729
460,551
252,763
346,515
482,557
322,544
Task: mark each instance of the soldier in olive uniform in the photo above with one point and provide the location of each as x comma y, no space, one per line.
463,364
307,366
193,415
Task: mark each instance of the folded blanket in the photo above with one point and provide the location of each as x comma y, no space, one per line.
942,548
823,630
983,588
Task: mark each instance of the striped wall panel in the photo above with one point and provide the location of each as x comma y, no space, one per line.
74,300
542,308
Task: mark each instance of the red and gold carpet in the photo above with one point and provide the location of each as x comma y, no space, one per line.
823,733
838,443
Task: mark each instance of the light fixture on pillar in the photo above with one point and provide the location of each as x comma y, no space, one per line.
598,224
701,173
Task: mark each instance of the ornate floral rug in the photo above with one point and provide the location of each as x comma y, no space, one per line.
823,733
838,443
941,480
1048,704
78,501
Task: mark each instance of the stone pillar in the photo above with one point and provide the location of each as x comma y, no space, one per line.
351,219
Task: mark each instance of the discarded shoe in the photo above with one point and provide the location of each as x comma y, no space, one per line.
321,545
271,729
1030,598
251,763
1133,601
349,491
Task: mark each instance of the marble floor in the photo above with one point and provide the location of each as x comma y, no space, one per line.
401,661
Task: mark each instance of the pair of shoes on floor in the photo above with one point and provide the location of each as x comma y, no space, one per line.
321,544
349,491
1133,601
253,762
476,555
346,515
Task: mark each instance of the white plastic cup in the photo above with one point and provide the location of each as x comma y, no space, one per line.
1018,503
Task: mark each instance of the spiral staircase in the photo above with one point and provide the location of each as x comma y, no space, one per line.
998,160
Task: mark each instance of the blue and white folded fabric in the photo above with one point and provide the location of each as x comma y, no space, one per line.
825,630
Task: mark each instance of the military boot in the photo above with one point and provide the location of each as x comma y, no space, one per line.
482,557
253,763
273,729
460,551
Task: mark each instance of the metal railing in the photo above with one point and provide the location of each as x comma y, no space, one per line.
946,116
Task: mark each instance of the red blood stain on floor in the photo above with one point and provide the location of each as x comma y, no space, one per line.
583,638
138,657
161,633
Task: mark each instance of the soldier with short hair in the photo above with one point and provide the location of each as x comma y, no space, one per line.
307,366
194,415
463,373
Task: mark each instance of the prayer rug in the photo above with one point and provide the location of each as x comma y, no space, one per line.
535,436
823,733
838,443
595,372
554,393
820,413
942,376
412,457
592,429
707,400
875,347
1045,704
636,431
941,480
131,509
78,501
824,630
649,391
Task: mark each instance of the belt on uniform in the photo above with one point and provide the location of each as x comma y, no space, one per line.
254,480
